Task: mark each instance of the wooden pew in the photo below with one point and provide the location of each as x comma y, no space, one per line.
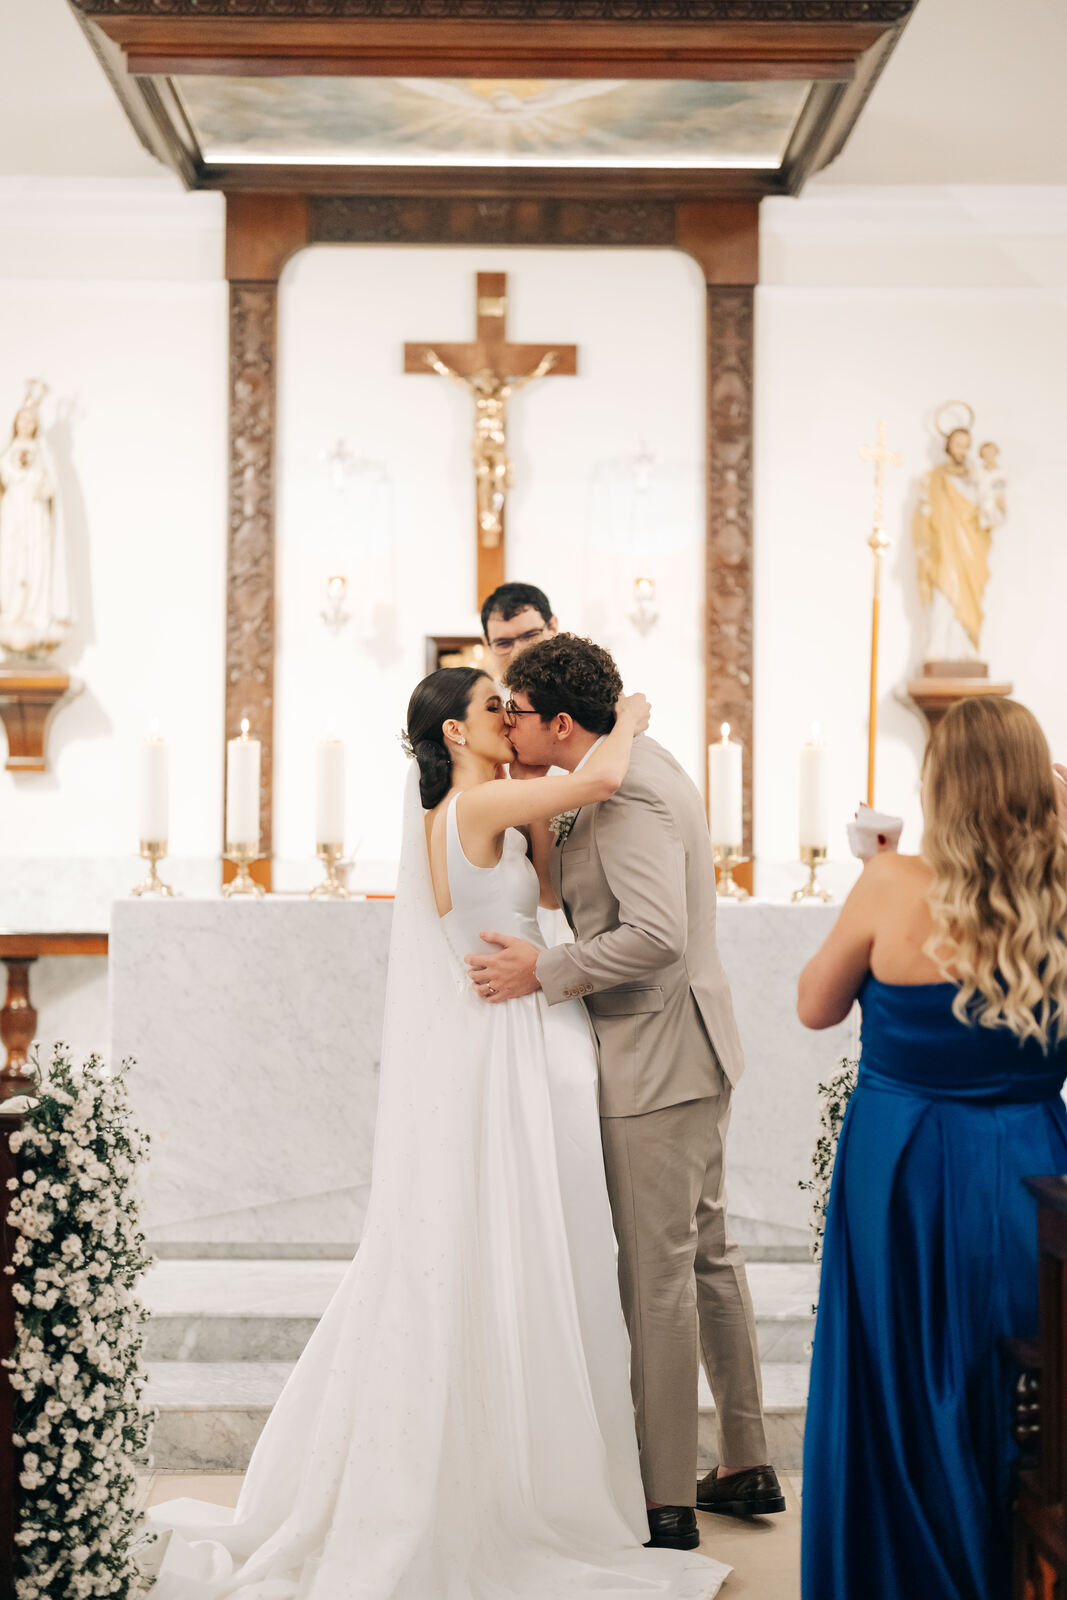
1040,1414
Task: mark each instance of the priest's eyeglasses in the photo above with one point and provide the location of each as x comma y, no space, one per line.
504,647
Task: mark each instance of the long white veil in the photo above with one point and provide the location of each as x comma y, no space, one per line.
428,1015
364,1419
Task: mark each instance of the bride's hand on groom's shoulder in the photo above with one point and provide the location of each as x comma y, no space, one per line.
636,708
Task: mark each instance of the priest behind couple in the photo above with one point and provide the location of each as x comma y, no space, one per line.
514,617
635,878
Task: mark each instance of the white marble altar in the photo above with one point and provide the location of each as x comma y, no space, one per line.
74,894
255,1028
776,1109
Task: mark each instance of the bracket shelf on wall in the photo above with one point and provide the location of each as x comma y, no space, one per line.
29,699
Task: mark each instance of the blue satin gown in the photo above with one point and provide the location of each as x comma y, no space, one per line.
930,1258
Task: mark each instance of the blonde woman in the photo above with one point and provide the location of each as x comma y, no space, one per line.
958,958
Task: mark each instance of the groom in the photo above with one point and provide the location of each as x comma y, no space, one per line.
636,880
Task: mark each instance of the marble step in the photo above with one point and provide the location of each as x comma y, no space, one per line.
214,1311
212,1413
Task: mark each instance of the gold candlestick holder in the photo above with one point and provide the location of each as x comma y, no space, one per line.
813,856
152,851
728,858
331,887
242,856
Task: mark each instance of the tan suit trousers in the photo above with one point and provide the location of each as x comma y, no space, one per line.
684,1291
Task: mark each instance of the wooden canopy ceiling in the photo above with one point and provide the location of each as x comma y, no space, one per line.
836,47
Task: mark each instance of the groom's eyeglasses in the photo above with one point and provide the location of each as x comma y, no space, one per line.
513,710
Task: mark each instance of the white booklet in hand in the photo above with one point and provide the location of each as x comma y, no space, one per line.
873,831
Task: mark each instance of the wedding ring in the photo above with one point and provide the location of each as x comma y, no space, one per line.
490,990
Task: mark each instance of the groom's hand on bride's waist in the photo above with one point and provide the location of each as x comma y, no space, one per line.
509,973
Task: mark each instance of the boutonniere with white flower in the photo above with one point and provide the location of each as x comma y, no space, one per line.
560,826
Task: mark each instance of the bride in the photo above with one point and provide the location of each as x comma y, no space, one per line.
459,1426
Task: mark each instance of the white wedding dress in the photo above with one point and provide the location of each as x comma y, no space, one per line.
459,1426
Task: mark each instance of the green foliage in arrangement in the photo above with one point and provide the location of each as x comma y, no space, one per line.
80,1416
835,1096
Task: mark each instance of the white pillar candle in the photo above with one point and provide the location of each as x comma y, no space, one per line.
814,818
154,788
242,790
330,791
725,790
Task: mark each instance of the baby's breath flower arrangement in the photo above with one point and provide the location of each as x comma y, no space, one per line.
835,1096
80,1417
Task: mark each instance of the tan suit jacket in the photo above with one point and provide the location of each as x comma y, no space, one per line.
636,879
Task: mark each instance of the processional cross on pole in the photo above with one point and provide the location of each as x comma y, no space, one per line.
879,544
491,369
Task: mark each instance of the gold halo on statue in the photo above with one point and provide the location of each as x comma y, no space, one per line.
948,405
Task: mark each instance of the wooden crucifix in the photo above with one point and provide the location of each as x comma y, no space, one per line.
491,369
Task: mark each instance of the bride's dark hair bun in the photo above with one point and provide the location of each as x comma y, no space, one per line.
435,771
445,694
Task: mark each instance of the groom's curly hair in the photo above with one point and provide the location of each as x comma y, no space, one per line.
568,674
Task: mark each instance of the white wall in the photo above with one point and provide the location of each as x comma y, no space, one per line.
874,303
401,529
111,292
885,305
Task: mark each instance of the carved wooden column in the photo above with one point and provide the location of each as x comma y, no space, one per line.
250,538
723,236
262,231
729,548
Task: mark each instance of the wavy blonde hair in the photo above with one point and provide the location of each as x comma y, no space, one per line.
999,856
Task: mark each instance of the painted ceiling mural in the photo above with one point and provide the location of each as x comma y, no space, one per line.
491,121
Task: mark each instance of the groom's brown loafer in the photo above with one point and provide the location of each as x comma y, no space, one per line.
672,1528
754,1493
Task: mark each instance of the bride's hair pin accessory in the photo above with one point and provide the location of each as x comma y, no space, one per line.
560,825
405,744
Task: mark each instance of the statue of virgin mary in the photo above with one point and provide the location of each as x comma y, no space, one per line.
33,622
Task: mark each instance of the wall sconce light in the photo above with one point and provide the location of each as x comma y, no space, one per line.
645,614
333,612
643,466
341,460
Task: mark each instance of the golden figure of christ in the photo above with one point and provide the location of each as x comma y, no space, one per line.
491,370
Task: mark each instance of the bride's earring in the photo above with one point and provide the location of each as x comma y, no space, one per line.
461,741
